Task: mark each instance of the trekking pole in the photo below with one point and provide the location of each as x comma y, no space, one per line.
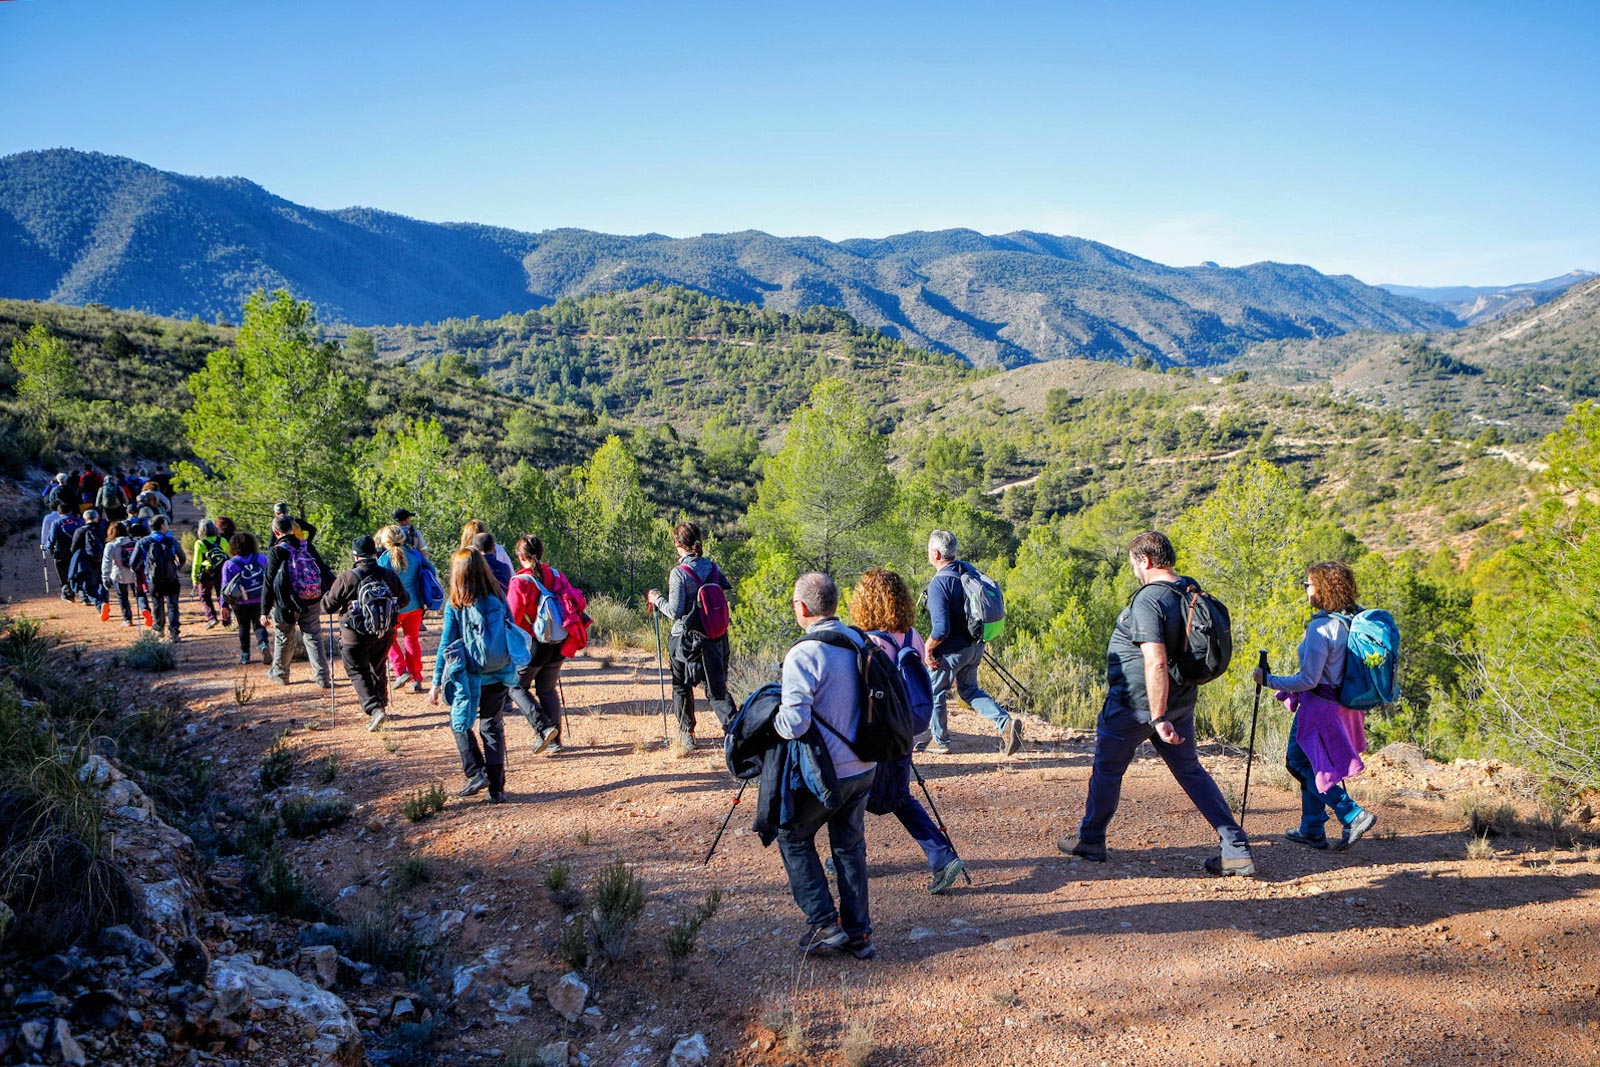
1250,752
1010,680
938,820
333,699
662,678
566,720
45,563
725,820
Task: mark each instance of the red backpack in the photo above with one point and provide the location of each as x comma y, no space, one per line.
711,603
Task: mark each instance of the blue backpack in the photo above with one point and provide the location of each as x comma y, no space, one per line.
919,687
492,642
428,586
1371,660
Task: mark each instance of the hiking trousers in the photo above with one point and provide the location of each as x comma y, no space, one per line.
1314,804
490,760
127,596
958,672
209,589
847,837
308,625
248,617
1118,735
542,679
405,654
164,606
713,659
364,666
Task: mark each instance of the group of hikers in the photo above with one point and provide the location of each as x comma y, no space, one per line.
829,741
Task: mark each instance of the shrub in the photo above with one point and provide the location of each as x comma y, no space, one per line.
683,933
425,803
618,902
328,768
277,764
572,946
856,1048
380,939
412,871
150,653
558,881
305,816
280,888
615,623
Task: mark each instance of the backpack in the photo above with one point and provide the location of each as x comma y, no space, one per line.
373,610
487,651
161,564
246,584
1208,636
52,495
710,603
61,539
919,687
546,620
211,557
122,562
108,497
305,577
982,603
1371,660
429,589
885,727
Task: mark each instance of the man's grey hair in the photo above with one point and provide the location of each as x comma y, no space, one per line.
942,543
818,593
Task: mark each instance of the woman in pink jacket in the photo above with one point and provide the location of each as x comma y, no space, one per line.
542,675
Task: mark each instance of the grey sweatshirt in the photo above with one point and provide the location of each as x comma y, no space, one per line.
1321,656
820,680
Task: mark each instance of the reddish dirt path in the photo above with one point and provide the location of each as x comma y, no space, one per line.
1401,951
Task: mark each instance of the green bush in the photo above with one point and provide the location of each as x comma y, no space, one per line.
618,903
425,803
150,653
305,816
277,764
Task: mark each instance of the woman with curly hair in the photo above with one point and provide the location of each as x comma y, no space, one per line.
882,605
1325,739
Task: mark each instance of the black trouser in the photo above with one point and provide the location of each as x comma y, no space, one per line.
542,678
62,566
165,607
365,667
713,657
490,760
248,616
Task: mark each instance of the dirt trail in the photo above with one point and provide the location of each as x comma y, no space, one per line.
1400,951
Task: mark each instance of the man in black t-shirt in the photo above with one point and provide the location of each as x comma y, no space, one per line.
1145,702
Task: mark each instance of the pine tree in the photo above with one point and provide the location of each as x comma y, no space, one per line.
47,382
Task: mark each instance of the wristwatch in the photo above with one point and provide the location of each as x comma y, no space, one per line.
1158,722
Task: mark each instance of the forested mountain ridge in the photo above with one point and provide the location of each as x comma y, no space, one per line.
79,227
1519,375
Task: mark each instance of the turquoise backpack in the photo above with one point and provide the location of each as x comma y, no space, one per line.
1371,660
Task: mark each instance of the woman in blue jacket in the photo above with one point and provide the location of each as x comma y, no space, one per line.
405,655
475,690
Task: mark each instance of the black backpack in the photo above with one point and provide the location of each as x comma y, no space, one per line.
1208,636
161,565
373,611
885,726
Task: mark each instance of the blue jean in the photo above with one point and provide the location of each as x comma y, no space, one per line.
1314,804
1118,735
166,612
848,839
959,671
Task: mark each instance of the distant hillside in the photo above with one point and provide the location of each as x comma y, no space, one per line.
1483,303
79,227
1521,373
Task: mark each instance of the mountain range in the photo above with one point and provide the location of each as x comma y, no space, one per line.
80,227
1473,304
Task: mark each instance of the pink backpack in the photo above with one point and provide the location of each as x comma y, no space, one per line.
711,603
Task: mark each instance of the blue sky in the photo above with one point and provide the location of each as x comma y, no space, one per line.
1421,143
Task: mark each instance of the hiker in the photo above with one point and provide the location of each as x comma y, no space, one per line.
469,533
1325,739
161,559
698,657
303,529
244,580
55,491
407,563
475,679
414,539
60,545
151,496
367,599
89,484
821,682
291,599
210,553
88,553
953,654
116,572
1145,702
501,570
109,499
542,676
882,605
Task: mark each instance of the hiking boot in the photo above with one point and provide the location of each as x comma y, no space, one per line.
543,738
416,688
553,748
1240,866
403,679
1073,846
127,622
860,947
822,937
497,798
274,676
377,720
244,657
937,748
946,877
475,785
1305,839
172,636
105,612
324,683
1011,737
1357,829
211,624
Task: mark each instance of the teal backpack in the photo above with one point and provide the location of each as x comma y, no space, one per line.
1371,660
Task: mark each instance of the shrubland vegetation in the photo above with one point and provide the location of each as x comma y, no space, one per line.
807,442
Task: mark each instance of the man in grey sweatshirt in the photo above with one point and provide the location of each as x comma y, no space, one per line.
820,682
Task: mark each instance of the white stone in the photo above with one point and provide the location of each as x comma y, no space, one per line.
324,961
689,1052
568,995
336,1041
451,921
67,1046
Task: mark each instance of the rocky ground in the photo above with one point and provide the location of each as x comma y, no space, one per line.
443,939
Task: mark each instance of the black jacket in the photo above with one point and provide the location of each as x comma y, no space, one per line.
753,749
340,595
277,596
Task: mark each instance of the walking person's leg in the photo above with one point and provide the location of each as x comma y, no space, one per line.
172,599
125,601
1313,828
283,636
847,839
245,632
1118,734
966,670
1184,763
547,688
808,882
492,728
316,655
943,681
682,691
714,654
919,824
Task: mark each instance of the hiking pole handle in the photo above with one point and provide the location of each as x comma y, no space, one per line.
1261,661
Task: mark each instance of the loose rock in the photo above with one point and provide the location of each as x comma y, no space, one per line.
568,995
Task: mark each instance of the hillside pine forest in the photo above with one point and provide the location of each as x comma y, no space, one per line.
1455,471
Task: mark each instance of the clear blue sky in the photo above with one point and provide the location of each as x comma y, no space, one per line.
1437,143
